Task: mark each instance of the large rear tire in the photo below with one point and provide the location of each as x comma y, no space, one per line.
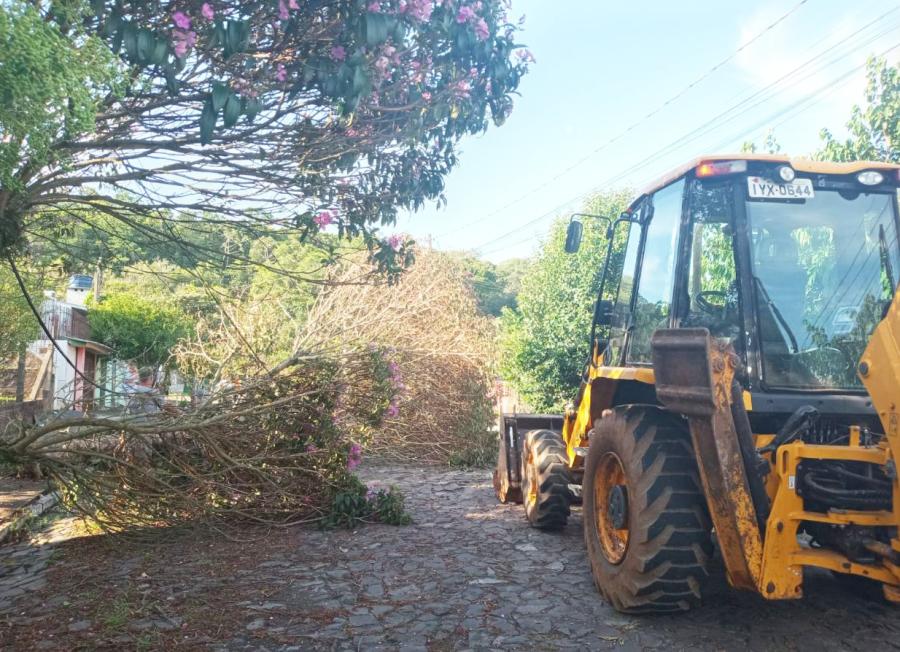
545,480
646,525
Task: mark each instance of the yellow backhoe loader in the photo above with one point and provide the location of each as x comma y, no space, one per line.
742,386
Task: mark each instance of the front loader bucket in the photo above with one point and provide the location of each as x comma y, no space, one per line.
694,375
512,429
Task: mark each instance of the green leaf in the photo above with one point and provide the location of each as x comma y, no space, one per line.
376,26
146,44
360,82
172,84
399,32
252,107
219,34
160,52
220,93
237,36
112,24
232,110
207,121
117,38
129,40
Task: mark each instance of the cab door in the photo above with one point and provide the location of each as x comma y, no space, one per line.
651,303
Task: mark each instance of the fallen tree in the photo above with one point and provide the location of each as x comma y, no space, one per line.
442,352
274,450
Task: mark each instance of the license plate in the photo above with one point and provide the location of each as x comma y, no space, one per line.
767,189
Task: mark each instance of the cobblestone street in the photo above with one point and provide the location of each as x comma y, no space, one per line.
467,574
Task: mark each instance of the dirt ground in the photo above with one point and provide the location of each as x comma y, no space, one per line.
467,574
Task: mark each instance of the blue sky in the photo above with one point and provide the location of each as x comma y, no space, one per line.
603,66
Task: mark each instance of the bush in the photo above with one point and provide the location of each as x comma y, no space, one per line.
140,330
357,503
544,342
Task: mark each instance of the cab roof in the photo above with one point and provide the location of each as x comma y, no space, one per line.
799,164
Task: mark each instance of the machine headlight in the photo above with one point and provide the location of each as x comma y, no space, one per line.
786,172
870,178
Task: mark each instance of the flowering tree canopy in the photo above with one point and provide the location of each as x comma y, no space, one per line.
302,114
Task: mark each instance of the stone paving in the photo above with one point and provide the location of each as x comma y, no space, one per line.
467,574
15,493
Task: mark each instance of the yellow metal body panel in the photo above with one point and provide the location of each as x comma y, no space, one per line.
578,423
879,370
783,556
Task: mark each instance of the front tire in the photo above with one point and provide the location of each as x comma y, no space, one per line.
646,525
545,480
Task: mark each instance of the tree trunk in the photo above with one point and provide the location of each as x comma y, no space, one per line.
20,375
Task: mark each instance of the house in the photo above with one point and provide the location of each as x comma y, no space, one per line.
78,376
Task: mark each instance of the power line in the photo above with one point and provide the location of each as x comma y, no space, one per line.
636,124
711,125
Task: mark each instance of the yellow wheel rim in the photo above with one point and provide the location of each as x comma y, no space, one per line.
611,507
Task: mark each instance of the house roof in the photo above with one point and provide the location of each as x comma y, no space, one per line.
90,345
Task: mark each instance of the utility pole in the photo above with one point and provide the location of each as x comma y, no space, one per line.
98,281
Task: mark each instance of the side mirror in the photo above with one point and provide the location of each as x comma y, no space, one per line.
573,236
604,312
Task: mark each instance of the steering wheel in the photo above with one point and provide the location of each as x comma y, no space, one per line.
714,309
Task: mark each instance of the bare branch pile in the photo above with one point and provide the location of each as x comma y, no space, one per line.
443,351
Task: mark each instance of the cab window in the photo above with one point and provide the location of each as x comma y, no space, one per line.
623,267
653,302
712,288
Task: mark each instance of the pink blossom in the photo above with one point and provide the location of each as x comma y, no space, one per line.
283,10
312,448
180,48
525,56
323,219
464,15
381,65
181,20
426,96
417,9
481,29
183,41
393,410
374,6
207,11
338,53
292,4
461,89
281,75
354,456
395,241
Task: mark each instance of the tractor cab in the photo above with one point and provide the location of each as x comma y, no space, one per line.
792,262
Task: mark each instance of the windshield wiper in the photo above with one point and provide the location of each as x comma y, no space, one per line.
886,259
778,316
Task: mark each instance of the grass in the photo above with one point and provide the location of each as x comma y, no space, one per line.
117,614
